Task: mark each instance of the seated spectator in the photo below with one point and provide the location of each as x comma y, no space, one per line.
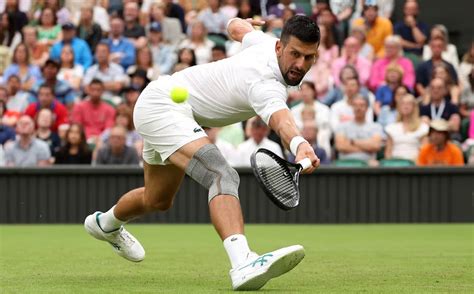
99,16
406,136
259,132
171,27
227,149
440,150
46,100
454,92
28,73
82,52
213,18
366,50
75,150
94,114
343,111
277,10
133,30
218,53
145,62
309,131
322,114
131,95
70,72
61,13
389,113
121,49
449,53
413,32
26,150
229,8
39,52
163,55
44,123
9,38
351,56
343,10
467,65
62,90
439,107
139,79
378,28
111,74
467,96
88,29
384,94
49,31
359,139
117,151
393,55
186,56
6,133
199,42
17,100
424,71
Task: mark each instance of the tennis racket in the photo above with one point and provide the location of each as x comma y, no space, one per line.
278,178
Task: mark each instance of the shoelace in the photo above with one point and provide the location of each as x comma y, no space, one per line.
126,238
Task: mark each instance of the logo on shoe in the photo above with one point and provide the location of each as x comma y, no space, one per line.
260,259
116,246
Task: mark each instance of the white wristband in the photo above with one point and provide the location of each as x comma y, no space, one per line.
295,142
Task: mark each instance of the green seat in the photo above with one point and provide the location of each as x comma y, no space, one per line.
396,162
350,163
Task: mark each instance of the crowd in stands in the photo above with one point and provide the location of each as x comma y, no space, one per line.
383,91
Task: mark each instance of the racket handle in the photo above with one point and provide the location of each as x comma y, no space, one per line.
305,163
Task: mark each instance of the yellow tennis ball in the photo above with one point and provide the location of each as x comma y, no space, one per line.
179,94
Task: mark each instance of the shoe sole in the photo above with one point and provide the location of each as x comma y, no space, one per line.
279,267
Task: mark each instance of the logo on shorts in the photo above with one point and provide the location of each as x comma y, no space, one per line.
197,130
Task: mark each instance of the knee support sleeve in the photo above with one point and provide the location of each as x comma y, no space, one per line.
210,169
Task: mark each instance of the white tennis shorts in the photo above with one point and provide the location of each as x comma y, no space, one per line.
164,125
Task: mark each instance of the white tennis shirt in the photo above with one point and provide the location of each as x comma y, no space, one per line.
236,88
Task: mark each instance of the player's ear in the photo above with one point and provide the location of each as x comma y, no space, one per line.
278,48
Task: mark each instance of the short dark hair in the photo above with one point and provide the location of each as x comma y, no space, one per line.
96,82
53,63
219,48
303,28
46,86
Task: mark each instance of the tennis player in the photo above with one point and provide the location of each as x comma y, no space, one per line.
252,82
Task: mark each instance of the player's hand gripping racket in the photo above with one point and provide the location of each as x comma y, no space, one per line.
278,177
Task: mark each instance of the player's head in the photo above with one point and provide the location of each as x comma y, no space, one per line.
297,49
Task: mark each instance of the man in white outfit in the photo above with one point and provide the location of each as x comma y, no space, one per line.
252,82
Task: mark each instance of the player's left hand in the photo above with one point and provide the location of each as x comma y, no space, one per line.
306,151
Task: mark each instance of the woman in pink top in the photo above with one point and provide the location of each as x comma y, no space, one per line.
393,54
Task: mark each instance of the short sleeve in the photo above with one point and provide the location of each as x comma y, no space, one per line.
43,151
253,38
267,97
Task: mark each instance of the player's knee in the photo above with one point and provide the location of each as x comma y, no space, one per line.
157,203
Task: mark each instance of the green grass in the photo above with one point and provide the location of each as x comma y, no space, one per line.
191,259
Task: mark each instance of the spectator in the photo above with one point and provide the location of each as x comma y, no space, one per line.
139,79
163,55
70,72
405,137
174,10
46,100
393,55
61,13
454,92
229,8
413,32
467,98
309,131
218,53
278,9
327,19
122,50
44,123
117,152
449,53
6,133
440,150
213,18
343,10
322,114
92,113
245,10
199,42
359,139
17,100
100,15
471,125
378,28
384,94
424,71
351,56
258,139
111,74
39,52
26,150
171,27
21,67
389,113
186,56
88,30
145,62
131,96
76,150
366,50
82,52
133,30
467,65
49,31
62,90
343,111
17,18
439,107
8,36
226,148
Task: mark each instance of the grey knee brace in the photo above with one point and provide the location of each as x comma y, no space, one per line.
210,169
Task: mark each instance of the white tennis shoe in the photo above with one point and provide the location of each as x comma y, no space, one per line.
123,243
254,273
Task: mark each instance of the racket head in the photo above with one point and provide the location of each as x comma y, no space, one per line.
277,177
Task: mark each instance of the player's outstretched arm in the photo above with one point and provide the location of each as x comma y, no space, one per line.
237,27
284,125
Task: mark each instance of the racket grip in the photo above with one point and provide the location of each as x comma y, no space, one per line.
305,163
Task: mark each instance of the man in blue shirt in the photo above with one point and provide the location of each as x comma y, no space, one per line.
121,49
413,32
82,52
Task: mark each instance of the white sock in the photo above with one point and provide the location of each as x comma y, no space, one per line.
108,222
237,249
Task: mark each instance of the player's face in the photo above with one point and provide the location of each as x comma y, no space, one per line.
295,59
